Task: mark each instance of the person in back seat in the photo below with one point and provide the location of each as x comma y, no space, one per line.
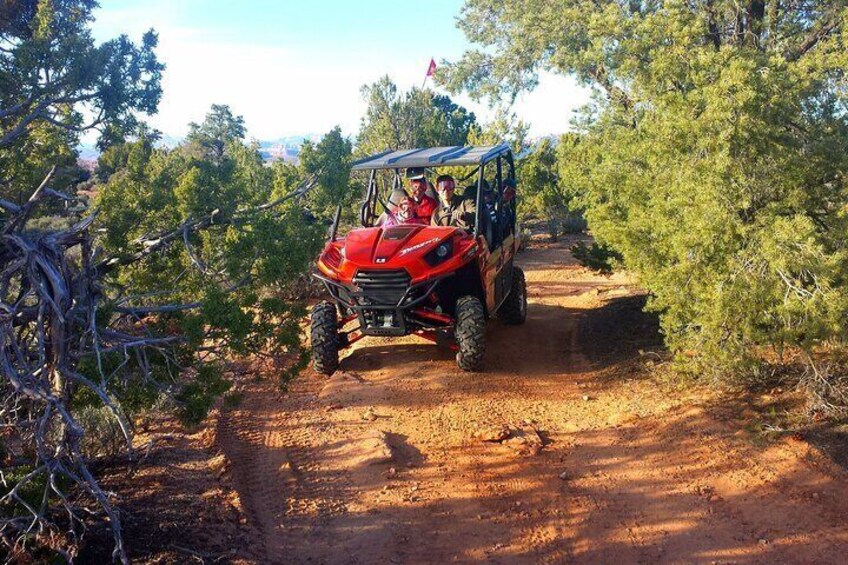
425,205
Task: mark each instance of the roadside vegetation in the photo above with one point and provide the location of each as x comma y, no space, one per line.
711,164
127,291
712,160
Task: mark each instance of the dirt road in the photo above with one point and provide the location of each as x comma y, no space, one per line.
383,463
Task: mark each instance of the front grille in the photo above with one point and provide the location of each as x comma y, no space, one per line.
382,287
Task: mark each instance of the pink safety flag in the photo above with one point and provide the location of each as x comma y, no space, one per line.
431,70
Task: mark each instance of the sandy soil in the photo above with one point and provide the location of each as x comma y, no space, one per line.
386,461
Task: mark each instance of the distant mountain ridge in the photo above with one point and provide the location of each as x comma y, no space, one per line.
286,148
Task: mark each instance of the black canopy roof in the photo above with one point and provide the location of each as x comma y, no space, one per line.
455,156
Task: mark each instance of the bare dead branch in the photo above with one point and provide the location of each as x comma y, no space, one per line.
51,321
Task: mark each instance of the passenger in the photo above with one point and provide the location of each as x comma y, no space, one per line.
454,210
426,205
405,213
509,203
488,224
491,228
489,201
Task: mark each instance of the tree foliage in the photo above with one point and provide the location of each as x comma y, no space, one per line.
505,126
329,160
546,193
540,181
52,71
213,174
417,118
220,127
56,83
714,157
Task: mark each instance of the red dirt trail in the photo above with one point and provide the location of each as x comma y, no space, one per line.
382,463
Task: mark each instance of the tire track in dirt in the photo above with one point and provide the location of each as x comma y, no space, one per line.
647,477
256,462
275,471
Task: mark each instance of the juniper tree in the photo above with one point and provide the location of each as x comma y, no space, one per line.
714,154
56,83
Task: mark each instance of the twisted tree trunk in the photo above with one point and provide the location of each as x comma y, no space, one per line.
50,298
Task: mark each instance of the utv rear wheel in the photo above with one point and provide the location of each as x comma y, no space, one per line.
470,333
514,309
324,338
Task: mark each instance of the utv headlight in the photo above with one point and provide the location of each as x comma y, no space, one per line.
440,253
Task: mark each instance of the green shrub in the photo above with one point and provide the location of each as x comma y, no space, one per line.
197,396
596,257
233,399
573,222
103,436
713,157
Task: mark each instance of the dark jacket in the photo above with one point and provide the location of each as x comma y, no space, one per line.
460,214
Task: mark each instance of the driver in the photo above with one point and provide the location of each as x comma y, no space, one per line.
425,205
454,210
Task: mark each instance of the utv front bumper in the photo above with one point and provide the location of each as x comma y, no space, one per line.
385,302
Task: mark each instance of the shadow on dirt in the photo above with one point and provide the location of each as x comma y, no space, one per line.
519,510
156,496
404,452
618,331
833,441
554,340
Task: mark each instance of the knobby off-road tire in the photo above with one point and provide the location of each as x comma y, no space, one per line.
514,309
470,333
324,338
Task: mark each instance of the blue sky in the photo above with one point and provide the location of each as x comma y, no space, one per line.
293,68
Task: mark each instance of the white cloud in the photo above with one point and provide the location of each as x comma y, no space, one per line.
282,91
549,108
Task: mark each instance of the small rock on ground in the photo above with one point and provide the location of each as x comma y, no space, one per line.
525,440
370,449
493,434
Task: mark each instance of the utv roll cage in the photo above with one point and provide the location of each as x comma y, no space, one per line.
437,282
396,162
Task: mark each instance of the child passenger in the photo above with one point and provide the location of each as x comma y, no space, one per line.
404,213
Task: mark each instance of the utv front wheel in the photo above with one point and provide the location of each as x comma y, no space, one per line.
514,309
324,338
470,333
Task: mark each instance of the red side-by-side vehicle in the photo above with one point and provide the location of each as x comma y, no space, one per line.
438,282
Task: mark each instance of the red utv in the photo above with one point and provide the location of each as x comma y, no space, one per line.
436,282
